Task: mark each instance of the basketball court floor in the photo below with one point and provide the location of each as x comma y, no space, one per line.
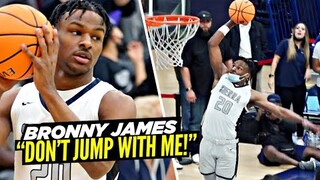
249,168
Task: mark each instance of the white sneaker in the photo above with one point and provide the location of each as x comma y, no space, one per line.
195,158
176,164
310,165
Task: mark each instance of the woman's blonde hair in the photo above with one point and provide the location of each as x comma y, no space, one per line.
291,53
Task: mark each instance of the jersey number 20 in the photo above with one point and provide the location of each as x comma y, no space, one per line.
223,105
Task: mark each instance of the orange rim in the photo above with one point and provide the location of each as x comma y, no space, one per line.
159,20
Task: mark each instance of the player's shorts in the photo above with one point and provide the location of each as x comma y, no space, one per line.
219,157
298,155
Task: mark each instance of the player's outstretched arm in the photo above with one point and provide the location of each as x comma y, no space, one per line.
258,99
214,50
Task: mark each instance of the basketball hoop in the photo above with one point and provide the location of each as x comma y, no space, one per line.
168,35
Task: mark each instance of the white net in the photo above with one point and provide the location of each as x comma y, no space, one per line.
168,42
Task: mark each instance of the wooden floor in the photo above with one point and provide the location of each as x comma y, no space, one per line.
249,168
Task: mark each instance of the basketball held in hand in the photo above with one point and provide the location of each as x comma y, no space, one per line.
241,11
18,25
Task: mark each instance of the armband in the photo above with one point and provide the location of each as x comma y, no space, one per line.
224,29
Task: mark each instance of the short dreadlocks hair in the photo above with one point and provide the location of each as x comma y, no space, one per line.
251,64
85,5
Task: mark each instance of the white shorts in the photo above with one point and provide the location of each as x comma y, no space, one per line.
219,158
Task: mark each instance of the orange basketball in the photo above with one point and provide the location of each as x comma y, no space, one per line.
18,24
241,11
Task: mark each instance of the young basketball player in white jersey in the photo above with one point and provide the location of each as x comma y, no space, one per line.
231,94
64,88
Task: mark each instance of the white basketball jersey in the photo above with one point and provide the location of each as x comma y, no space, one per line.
224,108
29,108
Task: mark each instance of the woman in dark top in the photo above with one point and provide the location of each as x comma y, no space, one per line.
290,70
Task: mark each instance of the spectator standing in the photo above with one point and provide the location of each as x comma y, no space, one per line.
290,69
197,76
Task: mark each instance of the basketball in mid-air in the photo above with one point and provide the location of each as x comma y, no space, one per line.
18,25
241,11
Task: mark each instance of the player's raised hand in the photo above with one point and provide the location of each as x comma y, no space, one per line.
45,65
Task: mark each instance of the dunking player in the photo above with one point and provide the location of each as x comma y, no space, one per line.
232,93
64,88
